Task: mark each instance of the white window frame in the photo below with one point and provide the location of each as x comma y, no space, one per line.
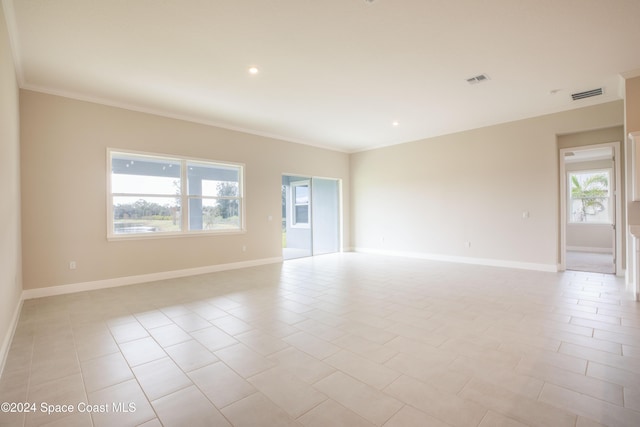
293,216
184,197
610,201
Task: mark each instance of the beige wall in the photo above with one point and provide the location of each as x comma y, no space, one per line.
433,195
10,262
632,104
590,237
64,144
591,137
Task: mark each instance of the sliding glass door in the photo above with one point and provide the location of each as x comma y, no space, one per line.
310,216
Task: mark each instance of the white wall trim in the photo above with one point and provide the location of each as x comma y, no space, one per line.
590,249
622,273
553,268
142,278
8,339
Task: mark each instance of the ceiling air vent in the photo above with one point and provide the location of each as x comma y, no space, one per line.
478,79
586,94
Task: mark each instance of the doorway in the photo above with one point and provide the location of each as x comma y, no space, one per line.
310,216
589,208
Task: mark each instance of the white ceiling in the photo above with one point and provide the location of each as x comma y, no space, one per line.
333,73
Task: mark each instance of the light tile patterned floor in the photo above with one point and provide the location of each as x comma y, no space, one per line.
338,340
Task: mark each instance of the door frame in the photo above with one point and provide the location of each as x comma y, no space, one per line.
617,194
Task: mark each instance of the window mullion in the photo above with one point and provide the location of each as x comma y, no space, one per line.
184,197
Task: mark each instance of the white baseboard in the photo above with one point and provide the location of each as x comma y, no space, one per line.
151,277
590,249
6,342
553,268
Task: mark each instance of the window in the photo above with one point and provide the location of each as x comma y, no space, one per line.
300,205
590,198
214,196
157,195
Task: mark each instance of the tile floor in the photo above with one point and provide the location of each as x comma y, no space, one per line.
339,340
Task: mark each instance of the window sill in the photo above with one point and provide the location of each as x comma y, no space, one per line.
168,235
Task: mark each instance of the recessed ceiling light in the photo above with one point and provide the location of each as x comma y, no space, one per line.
253,70
396,123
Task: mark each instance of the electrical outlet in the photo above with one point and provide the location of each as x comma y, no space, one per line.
244,248
72,265
467,244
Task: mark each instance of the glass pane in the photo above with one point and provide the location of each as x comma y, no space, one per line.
132,174
325,215
302,194
590,197
213,180
214,214
302,214
590,211
145,215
